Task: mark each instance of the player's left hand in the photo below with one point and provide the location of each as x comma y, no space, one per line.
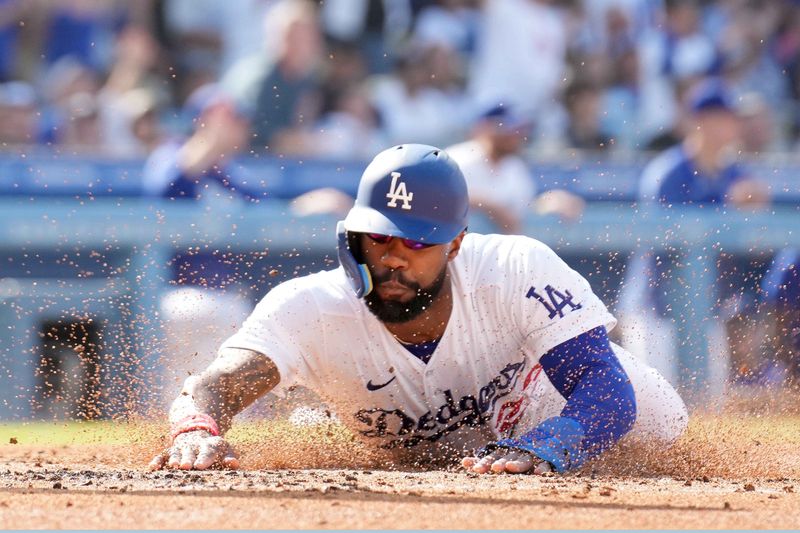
508,461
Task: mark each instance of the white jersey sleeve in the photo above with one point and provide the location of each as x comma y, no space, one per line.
558,303
546,301
285,326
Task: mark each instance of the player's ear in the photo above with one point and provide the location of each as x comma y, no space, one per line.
455,246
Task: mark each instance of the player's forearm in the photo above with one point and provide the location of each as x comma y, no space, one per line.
232,382
600,408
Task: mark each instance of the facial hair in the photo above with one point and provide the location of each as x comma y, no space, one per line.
397,312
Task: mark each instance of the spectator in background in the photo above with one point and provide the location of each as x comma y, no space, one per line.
585,128
701,170
206,306
447,74
60,83
413,106
747,45
521,60
82,130
199,167
452,24
760,130
619,107
204,39
755,71
608,42
672,56
349,127
11,13
780,313
613,25
787,52
282,90
83,29
142,108
135,67
344,67
586,58
499,179
377,27
210,36
19,124
82,117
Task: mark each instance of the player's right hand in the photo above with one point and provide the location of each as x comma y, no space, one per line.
196,450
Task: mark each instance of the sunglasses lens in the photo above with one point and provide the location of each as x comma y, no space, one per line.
408,243
415,245
380,239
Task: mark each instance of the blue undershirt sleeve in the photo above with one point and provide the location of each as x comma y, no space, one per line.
600,408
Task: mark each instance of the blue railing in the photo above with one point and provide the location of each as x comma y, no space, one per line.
41,174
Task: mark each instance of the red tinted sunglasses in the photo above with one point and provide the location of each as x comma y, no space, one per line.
408,243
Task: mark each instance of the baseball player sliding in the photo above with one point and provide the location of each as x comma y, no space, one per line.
428,340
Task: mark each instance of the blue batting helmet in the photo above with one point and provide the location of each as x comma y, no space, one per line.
412,191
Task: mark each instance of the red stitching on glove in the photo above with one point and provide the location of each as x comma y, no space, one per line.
194,422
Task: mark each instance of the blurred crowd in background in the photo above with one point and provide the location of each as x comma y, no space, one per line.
344,78
188,85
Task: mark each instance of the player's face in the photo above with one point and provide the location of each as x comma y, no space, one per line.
407,278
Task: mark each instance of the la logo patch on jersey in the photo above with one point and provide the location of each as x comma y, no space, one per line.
558,301
398,191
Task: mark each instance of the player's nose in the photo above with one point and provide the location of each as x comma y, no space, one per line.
395,255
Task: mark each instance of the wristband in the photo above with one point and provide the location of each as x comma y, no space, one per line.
194,422
557,440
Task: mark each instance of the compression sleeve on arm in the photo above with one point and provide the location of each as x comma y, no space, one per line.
600,409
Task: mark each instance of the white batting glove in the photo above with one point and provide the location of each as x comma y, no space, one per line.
507,460
196,450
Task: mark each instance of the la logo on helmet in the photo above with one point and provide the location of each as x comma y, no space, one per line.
397,191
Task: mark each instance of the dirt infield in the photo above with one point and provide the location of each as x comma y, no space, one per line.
727,472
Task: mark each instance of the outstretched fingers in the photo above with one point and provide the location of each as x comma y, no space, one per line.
188,457
196,452
519,463
482,465
499,465
468,462
216,452
174,459
210,451
506,461
230,460
159,461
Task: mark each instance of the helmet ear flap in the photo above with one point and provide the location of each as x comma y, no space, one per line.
354,245
349,252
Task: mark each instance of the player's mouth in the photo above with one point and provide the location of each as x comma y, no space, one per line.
393,290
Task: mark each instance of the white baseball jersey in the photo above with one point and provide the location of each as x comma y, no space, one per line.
513,300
